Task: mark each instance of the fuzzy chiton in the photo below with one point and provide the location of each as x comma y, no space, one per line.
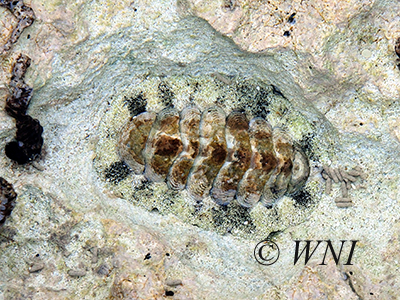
217,154
210,153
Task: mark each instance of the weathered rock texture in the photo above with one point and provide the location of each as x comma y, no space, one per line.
70,236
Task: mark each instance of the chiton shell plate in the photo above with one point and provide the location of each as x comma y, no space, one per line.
203,150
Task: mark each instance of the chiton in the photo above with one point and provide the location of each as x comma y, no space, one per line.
208,152
216,154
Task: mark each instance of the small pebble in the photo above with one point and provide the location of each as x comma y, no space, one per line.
342,173
338,175
342,200
94,255
348,185
344,204
103,270
360,186
354,173
328,186
349,177
325,168
343,188
36,267
363,176
222,78
37,166
76,273
366,53
357,168
173,282
331,174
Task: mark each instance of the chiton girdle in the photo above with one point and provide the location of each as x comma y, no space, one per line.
254,98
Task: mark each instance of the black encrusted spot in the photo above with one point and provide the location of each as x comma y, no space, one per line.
117,172
261,103
277,91
170,196
166,94
15,151
144,189
286,33
145,185
233,216
306,144
291,19
256,96
302,198
136,105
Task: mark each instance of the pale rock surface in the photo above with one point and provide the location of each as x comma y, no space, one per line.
340,54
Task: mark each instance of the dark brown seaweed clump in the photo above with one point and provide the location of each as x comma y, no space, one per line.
7,199
29,141
24,15
17,103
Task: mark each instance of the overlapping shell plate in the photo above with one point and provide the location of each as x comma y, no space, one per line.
209,152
